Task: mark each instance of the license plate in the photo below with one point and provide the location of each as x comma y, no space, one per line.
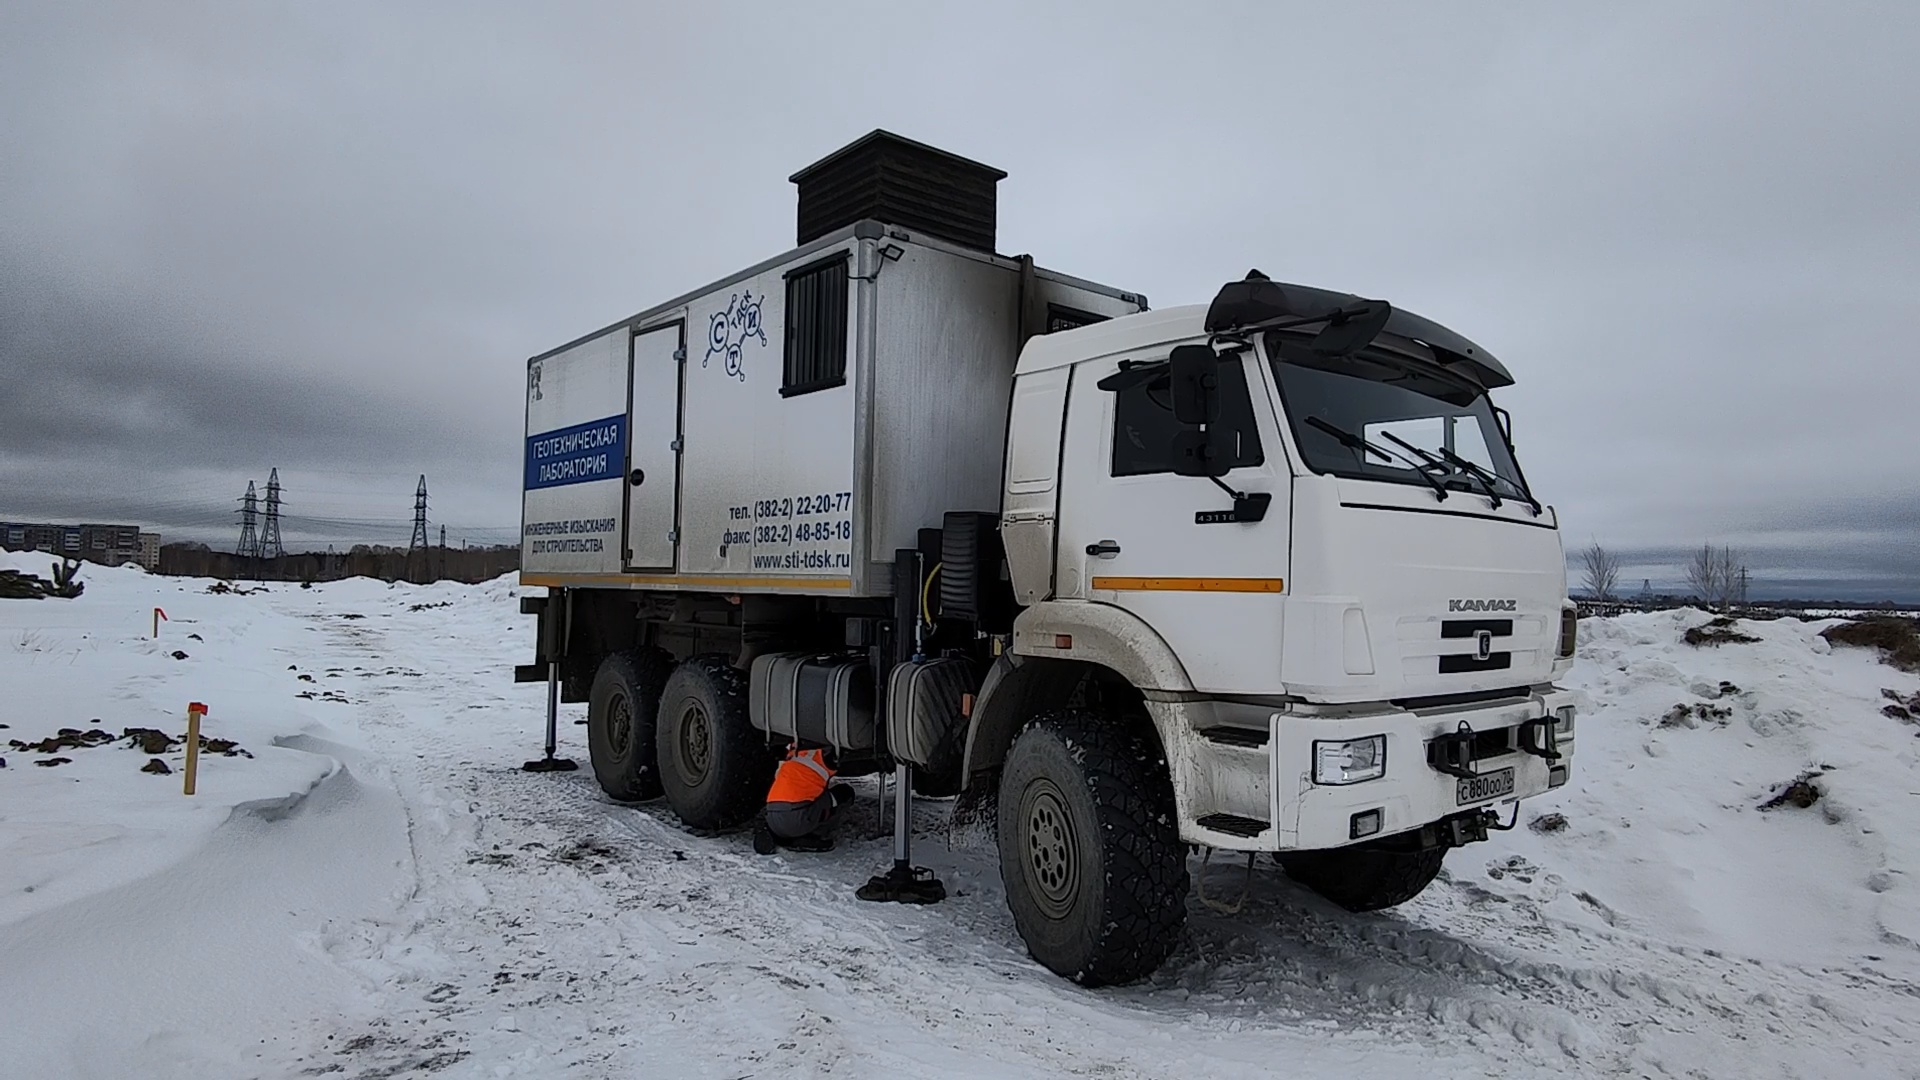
1490,786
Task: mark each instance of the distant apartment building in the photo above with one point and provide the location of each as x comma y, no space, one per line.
110,545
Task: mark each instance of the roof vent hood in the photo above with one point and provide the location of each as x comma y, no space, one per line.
900,182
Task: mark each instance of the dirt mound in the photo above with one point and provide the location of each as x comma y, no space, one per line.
1897,639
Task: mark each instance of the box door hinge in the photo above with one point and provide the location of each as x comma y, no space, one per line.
673,536
676,445
680,354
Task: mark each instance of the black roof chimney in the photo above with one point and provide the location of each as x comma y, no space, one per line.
901,182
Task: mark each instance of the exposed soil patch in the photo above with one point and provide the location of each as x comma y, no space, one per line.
156,767
67,739
1897,639
1549,823
1720,631
1689,716
48,763
1800,794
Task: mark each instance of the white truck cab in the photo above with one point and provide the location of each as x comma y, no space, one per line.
1310,670
1257,575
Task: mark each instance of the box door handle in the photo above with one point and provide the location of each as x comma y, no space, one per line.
1105,549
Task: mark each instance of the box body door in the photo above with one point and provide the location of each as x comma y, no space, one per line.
653,449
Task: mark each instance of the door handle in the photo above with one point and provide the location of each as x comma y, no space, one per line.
1105,549
637,477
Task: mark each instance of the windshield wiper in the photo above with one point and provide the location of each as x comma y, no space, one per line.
1487,480
1348,438
1465,466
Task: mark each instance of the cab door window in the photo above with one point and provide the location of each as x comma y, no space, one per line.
1144,426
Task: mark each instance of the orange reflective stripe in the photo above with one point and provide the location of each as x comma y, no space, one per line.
802,778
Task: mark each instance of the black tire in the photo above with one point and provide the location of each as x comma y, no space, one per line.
714,766
1095,873
621,711
1365,878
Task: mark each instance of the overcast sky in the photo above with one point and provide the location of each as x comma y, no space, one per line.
326,237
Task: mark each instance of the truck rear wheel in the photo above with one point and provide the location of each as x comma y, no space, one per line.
1363,878
621,709
1090,854
714,766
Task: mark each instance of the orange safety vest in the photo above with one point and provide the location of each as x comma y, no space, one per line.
802,778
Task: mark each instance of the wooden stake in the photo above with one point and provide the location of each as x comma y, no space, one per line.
194,712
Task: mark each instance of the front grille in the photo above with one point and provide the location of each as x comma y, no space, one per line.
1466,628
1455,665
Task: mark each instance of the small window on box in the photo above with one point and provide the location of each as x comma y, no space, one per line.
816,351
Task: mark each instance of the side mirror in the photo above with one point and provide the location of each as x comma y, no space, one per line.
1194,376
1202,452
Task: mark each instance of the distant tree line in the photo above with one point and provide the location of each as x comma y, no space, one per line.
385,563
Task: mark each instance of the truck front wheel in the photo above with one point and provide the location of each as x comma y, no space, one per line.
714,765
1365,878
621,709
1090,853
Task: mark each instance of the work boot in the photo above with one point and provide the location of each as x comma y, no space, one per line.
842,795
763,839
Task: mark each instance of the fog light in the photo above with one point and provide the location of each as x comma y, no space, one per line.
1569,630
1563,722
1556,776
1350,761
1365,823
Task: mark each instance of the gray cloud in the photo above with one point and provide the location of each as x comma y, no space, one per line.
324,238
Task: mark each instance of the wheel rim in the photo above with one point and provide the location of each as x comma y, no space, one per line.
620,725
1052,856
695,744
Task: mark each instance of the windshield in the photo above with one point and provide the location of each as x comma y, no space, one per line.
1386,401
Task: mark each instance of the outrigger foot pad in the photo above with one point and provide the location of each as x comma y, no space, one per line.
904,885
550,764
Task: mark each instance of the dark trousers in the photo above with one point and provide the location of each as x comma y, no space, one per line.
790,820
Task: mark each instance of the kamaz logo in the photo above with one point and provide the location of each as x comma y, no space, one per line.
1483,605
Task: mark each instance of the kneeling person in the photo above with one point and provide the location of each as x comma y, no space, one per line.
802,805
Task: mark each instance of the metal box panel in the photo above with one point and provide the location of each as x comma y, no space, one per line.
575,458
766,481
811,492
946,339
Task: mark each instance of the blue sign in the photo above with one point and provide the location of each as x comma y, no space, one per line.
581,454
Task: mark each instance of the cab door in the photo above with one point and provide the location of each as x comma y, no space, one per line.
653,448
1134,534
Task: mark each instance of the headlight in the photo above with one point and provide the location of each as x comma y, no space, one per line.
1569,630
1350,762
1563,722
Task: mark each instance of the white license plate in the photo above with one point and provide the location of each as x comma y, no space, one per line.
1490,786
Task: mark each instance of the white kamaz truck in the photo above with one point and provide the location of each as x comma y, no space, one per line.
1259,575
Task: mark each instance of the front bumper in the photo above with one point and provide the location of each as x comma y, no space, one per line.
1243,773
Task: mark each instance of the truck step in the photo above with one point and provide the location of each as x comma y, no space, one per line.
1232,824
1233,736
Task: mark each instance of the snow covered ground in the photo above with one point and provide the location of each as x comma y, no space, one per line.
378,891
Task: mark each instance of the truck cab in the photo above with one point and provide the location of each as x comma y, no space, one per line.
1318,589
